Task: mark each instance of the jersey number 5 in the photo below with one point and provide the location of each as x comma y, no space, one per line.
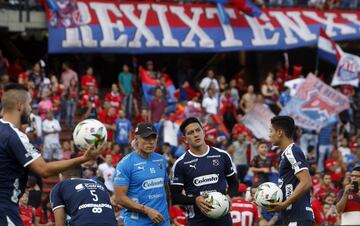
95,197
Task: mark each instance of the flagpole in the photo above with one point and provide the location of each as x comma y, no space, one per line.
317,63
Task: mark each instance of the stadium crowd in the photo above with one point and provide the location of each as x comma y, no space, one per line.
60,101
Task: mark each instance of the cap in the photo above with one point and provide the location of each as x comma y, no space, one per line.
149,62
242,188
145,129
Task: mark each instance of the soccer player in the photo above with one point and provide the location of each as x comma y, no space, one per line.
201,170
294,179
85,201
141,180
243,213
18,155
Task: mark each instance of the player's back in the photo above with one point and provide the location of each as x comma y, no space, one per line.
243,213
86,201
15,154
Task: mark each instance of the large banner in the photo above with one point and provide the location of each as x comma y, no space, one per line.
132,27
314,104
258,121
347,71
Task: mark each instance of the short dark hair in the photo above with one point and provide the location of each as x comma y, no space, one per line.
187,122
14,86
285,123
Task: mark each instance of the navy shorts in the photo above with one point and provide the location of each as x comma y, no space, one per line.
10,216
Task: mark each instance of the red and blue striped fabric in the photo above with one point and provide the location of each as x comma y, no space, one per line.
149,83
328,50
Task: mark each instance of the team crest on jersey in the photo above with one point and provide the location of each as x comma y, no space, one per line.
215,162
160,165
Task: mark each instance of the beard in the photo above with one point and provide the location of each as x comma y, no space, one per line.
25,119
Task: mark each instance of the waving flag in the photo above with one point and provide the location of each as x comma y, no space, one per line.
347,71
315,104
327,49
149,84
245,6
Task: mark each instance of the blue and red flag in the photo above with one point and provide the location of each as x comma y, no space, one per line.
149,84
328,50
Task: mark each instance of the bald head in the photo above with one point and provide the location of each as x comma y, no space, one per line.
14,94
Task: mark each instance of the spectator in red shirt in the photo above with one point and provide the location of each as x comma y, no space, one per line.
239,128
210,131
27,212
88,79
178,215
114,97
115,153
325,187
348,202
143,117
227,108
44,215
240,208
90,104
335,167
109,122
158,106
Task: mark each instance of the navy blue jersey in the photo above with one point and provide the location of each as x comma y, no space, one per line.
86,201
16,153
292,162
203,174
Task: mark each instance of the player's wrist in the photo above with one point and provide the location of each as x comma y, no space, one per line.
144,209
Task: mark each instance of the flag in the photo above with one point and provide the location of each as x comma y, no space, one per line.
328,50
315,104
246,7
149,84
347,71
258,121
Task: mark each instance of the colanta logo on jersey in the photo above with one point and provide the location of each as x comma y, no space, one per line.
206,179
153,183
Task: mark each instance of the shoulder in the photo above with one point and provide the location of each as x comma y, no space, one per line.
220,152
180,161
156,156
292,150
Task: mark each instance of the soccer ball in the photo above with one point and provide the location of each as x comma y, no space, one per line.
267,193
88,132
219,203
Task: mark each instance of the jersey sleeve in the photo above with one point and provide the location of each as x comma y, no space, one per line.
122,173
229,169
177,173
22,149
56,199
296,159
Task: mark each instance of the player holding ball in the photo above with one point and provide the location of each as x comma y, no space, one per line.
294,179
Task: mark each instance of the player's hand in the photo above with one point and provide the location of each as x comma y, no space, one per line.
93,152
154,215
276,207
202,204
